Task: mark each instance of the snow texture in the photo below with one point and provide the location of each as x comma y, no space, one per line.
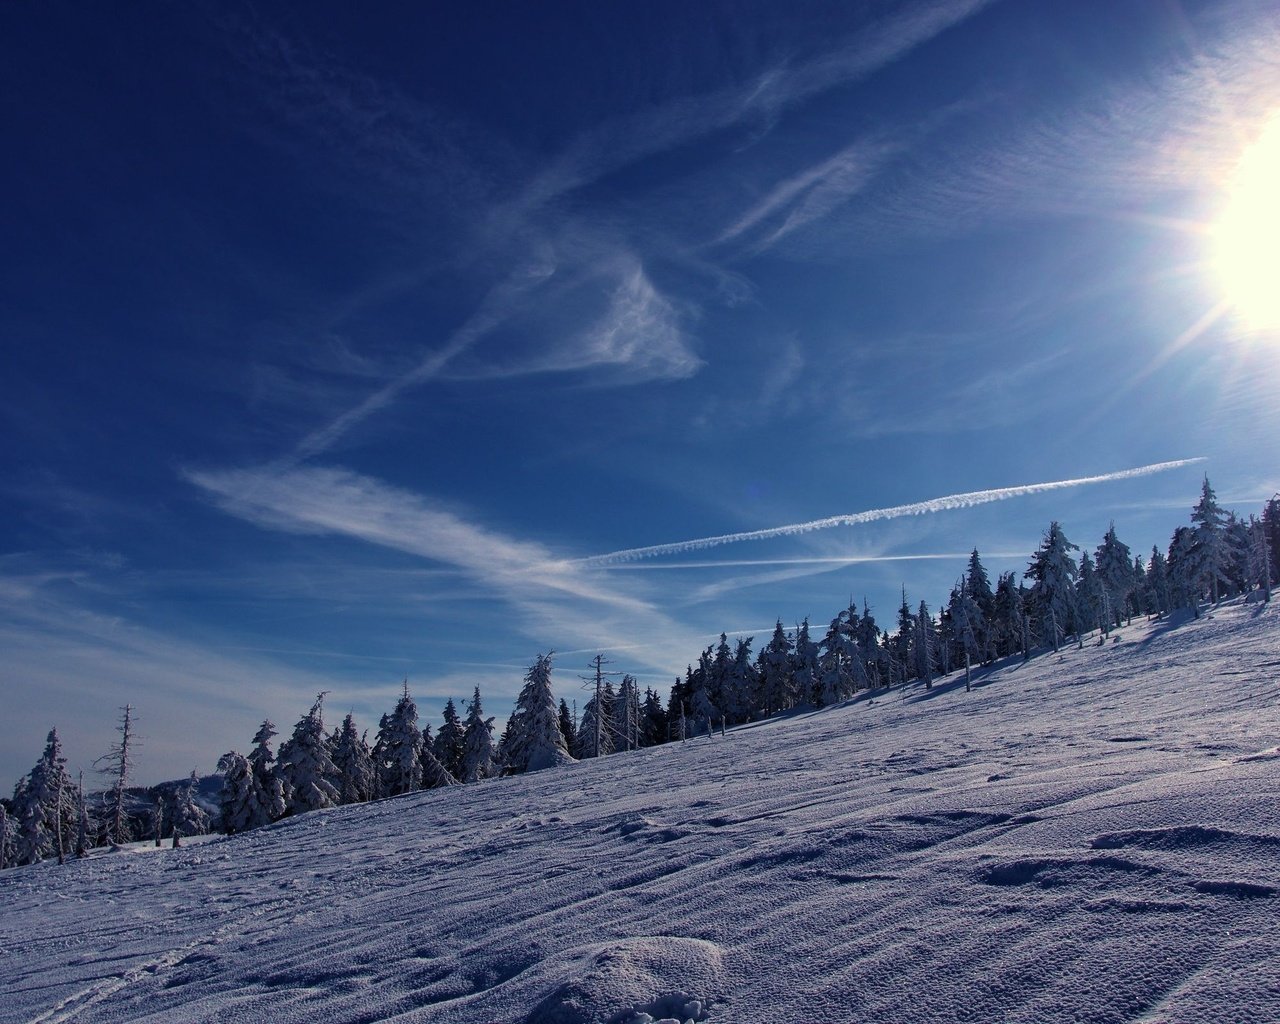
1091,836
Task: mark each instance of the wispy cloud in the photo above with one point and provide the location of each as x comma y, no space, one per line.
947,503
811,194
557,600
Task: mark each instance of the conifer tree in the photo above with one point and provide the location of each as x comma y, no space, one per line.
1212,556
448,742
777,693
305,767
186,816
1184,570
477,744
398,751
1089,599
45,807
804,666
1053,571
534,740
742,684
978,586
923,648
654,722
1008,616
1115,574
238,809
626,715
269,786
357,777
595,732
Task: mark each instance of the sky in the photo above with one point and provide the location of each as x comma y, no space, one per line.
344,347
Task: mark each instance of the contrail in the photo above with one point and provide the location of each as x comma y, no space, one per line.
918,508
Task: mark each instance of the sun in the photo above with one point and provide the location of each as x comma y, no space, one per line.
1246,239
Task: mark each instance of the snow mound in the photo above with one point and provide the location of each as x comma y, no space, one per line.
632,981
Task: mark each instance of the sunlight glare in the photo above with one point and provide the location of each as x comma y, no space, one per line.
1247,237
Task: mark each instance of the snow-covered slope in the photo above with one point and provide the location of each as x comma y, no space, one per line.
1092,836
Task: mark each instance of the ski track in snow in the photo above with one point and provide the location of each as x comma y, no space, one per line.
1091,836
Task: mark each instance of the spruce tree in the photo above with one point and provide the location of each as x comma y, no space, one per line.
186,816
398,749
626,715
1115,574
269,787
978,585
1212,555
305,766
45,807
477,744
357,777
238,809
534,741
448,742
777,693
654,720
1053,571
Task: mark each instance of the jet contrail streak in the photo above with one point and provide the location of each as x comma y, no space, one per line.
946,503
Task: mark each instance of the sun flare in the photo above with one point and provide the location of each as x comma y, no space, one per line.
1246,239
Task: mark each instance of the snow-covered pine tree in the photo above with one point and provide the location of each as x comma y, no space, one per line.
777,693
595,733
925,646
654,718
1115,573
535,741
447,746
869,647
804,670
117,765
1089,599
903,640
45,807
398,748
186,816
307,770
718,672
1212,553
626,715
978,585
477,744
742,685
834,680
1053,571
1184,570
357,778
238,808
269,786
703,712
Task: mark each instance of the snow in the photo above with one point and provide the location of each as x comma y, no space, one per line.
1091,836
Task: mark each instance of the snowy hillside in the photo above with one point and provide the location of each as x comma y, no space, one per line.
1092,836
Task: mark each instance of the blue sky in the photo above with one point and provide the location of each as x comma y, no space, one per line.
337,345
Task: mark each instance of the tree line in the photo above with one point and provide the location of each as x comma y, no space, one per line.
1218,555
